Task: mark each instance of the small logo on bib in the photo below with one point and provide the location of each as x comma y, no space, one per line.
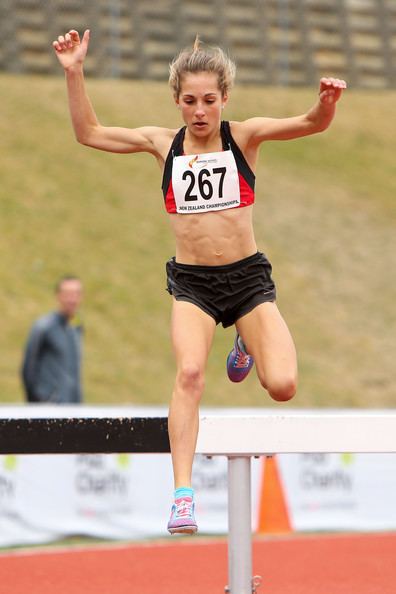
191,163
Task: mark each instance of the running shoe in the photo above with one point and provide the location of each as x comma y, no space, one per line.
239,362
182,520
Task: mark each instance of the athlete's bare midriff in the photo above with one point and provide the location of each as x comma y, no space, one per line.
214,238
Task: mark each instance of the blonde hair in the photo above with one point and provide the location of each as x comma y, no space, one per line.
202,59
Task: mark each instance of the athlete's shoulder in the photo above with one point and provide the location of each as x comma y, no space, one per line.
171,133
244,127
159,140
168,133
164,136
157,133
239,132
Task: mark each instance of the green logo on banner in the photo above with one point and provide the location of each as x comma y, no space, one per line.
123,460
347,459
10,462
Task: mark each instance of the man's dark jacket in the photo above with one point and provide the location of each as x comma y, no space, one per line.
51,369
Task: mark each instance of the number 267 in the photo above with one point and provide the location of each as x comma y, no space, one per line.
204,184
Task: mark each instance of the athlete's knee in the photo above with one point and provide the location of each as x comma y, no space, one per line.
190,378
281,389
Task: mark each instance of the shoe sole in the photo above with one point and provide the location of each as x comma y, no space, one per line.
183,530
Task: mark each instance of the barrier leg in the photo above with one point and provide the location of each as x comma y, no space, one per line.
239,527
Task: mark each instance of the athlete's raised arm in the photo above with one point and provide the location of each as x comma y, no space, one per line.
71,52
317,119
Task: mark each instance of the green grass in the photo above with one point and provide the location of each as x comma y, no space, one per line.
325,216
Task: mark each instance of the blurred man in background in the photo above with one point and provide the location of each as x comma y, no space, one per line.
51,369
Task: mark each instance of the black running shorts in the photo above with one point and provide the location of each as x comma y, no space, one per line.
224,292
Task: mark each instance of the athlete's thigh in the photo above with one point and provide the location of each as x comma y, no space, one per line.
192,332
268,340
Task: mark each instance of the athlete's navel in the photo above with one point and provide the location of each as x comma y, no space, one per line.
218,253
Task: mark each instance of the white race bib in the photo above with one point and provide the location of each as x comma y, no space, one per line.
202,183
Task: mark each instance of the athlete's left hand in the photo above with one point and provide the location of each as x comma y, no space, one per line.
330,90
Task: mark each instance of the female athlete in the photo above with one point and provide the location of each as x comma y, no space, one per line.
217,274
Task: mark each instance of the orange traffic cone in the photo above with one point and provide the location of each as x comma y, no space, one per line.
273,512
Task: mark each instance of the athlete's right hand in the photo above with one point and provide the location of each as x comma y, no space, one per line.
70,50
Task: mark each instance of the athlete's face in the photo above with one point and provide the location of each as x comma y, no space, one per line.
201,102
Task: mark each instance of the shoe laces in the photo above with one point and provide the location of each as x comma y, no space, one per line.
242,360
183,508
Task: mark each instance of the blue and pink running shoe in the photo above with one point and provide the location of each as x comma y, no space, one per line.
239,362
182,520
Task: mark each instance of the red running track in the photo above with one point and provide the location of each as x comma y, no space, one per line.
364,564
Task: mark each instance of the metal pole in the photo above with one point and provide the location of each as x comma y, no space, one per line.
239,526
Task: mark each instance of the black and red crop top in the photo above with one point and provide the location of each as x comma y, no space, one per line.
208,181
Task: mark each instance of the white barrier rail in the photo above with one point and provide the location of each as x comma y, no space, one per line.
237,435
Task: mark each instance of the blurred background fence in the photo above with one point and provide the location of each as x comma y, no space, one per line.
282,42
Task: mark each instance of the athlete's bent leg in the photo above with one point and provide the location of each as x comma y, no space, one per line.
268,340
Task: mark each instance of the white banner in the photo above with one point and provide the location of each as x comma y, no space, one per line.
116,496
340,491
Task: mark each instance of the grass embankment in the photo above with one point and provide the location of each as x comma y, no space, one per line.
325,216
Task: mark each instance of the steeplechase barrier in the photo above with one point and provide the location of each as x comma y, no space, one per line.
239,437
